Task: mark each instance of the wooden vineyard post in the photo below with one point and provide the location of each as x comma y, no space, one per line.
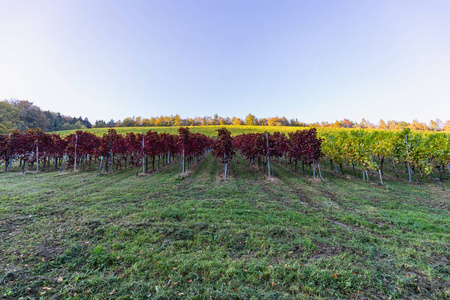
393,165
381,178
407,157
320,172
314,169
100,166
62,163
268,154
103,168
75,160
225,167
182,162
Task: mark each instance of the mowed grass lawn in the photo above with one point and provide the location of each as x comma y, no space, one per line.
119,236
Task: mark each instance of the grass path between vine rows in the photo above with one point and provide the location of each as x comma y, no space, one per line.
162,236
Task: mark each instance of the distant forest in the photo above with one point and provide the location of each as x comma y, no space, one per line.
24,115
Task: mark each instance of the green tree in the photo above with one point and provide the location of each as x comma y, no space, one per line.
100,124
216,120
9,117
111,123
78,125
129,122
31,115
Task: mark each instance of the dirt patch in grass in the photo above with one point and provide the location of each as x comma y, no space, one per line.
324,250
443,203
47,252
219,177
437,258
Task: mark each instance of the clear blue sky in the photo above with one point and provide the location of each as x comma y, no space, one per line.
311,60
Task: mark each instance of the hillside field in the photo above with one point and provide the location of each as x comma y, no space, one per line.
77,235
210,131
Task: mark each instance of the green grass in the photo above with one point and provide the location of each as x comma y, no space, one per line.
211,130
161,236
206,130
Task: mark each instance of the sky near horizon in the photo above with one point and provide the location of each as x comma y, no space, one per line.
310,60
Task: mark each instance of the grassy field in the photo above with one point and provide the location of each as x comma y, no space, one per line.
211,130
161,236
206,130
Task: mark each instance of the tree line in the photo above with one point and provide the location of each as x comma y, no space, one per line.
24,115
433,125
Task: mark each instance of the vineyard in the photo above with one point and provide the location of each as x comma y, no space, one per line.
367,153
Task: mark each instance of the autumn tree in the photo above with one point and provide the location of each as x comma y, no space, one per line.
347,123
274,122
237,121
177,120
447,125
250,120
366,124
